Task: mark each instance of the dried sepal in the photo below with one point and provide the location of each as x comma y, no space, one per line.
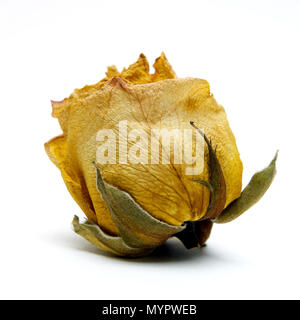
137,227
217,184
197,232
96,236
252,193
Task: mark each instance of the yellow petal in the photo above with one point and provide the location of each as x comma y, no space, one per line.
56,149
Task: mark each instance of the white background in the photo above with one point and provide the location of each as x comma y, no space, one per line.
247,50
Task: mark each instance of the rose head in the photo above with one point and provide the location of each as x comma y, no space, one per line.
116,158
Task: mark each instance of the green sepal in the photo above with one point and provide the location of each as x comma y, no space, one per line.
206,184
216,184
252,193
197,232
93,233
137,227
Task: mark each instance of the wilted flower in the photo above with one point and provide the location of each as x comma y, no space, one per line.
135,198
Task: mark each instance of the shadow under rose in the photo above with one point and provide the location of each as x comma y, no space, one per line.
172,251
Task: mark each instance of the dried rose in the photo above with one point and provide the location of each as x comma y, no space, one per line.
134,206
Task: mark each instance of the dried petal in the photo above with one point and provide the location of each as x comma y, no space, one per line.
56,149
